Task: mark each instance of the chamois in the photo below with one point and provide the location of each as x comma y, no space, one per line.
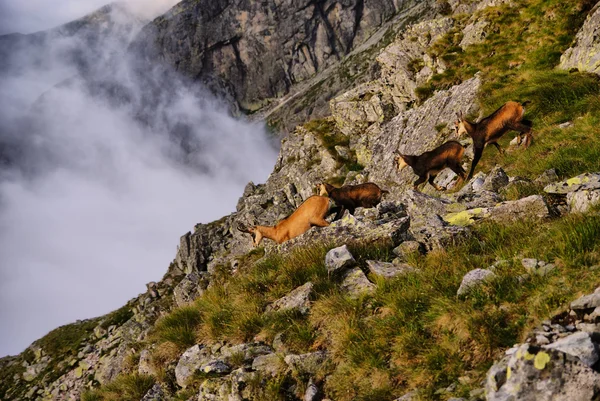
352,196
489,130
311,212
429,164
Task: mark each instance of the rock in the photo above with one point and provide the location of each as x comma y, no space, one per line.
474,33
247,350
338,259
579,345
312,392
192,359
532,373
586,181
546,178
585,54
473,279
407,248
565,125
495,180
356,283
298,299
216,367
271,364
533,207
156,393
587,301
306,363
411,396
582,201
537,267
388,270
190,287
145,366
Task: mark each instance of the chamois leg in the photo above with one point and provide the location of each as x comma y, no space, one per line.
459,171
499,147
319,222
476,157
433,184
419,182
523,127
340,213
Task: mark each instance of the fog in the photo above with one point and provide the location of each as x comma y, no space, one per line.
95,191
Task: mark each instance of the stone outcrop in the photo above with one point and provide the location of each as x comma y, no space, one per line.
580,193
255,52
585,54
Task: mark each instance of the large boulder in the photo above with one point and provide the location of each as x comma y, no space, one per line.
585,54
531,373
298,300
339,259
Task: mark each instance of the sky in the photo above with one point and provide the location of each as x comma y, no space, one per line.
96,202
28,16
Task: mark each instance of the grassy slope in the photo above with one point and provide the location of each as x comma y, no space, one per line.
414,332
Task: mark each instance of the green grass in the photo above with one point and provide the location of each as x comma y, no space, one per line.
124,388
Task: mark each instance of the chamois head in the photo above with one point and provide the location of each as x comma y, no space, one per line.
256,234
460,125
400,161
323,189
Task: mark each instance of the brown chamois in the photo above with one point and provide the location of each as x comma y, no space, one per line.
489,130
429,164
311,212
352,196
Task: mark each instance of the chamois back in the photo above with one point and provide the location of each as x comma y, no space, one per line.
311,212
352,196
428,164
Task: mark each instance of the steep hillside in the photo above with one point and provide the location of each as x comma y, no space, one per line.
470,294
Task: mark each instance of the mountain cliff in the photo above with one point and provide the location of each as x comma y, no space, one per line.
474,293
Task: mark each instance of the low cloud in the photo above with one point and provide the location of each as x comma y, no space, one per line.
93,198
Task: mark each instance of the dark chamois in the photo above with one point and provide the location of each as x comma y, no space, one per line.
509,117
352,196
311,212
429,164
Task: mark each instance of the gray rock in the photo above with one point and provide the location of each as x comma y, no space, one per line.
579,345
582,201
407,248
587,301
145,366
192,359
298,299
546,178
216,367
586,181
537,267
156,393
190,287
585,54
306,363
473,279
411,396
248,350
495,180
474,33
312,392
388,270
533,207
338,259
531,373
271,364
356,283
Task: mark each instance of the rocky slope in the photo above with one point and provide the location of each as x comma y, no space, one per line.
379,115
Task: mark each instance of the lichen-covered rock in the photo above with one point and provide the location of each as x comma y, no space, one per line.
579,345
585,54
474,33
495,180
298,299
271,364
338,259
407,248
191,360
537,267
309,363
589,301
388,270
190,287
473,279
156,393
145,366
586,181
533,207
531,373
356,283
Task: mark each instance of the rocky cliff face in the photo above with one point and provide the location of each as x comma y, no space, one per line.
256,51
260,53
